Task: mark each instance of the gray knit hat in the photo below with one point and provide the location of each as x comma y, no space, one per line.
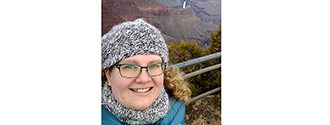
132,38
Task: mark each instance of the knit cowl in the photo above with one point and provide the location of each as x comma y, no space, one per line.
152,114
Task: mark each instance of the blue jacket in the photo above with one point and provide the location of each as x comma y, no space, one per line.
175,115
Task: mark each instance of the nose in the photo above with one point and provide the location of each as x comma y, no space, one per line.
143,77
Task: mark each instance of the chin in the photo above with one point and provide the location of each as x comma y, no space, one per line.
142,105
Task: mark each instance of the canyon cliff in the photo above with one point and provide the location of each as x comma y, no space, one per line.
194,22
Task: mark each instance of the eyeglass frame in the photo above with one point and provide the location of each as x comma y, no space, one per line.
163,66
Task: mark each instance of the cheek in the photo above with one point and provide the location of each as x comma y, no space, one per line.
117,82
119,88
113,78
159,80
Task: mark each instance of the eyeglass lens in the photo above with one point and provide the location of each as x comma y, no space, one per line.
133,70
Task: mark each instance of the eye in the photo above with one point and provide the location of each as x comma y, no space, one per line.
153,66
129,66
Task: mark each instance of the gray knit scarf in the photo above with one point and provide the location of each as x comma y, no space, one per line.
157,110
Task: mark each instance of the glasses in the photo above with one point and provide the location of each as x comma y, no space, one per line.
134,70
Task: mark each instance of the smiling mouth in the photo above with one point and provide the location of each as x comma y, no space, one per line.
142,90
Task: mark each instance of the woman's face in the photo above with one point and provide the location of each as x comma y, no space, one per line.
136,93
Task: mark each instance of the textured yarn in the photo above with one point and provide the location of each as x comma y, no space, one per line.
152,114
132,38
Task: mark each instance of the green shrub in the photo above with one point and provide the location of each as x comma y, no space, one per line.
184,51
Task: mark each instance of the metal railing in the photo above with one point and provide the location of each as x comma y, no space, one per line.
198,60
192,74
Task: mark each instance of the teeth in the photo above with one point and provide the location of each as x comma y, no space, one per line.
141,90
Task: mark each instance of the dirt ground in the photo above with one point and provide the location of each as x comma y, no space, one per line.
205,111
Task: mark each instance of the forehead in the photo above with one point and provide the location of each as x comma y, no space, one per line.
141,59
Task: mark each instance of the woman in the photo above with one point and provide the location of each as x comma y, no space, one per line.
138,86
